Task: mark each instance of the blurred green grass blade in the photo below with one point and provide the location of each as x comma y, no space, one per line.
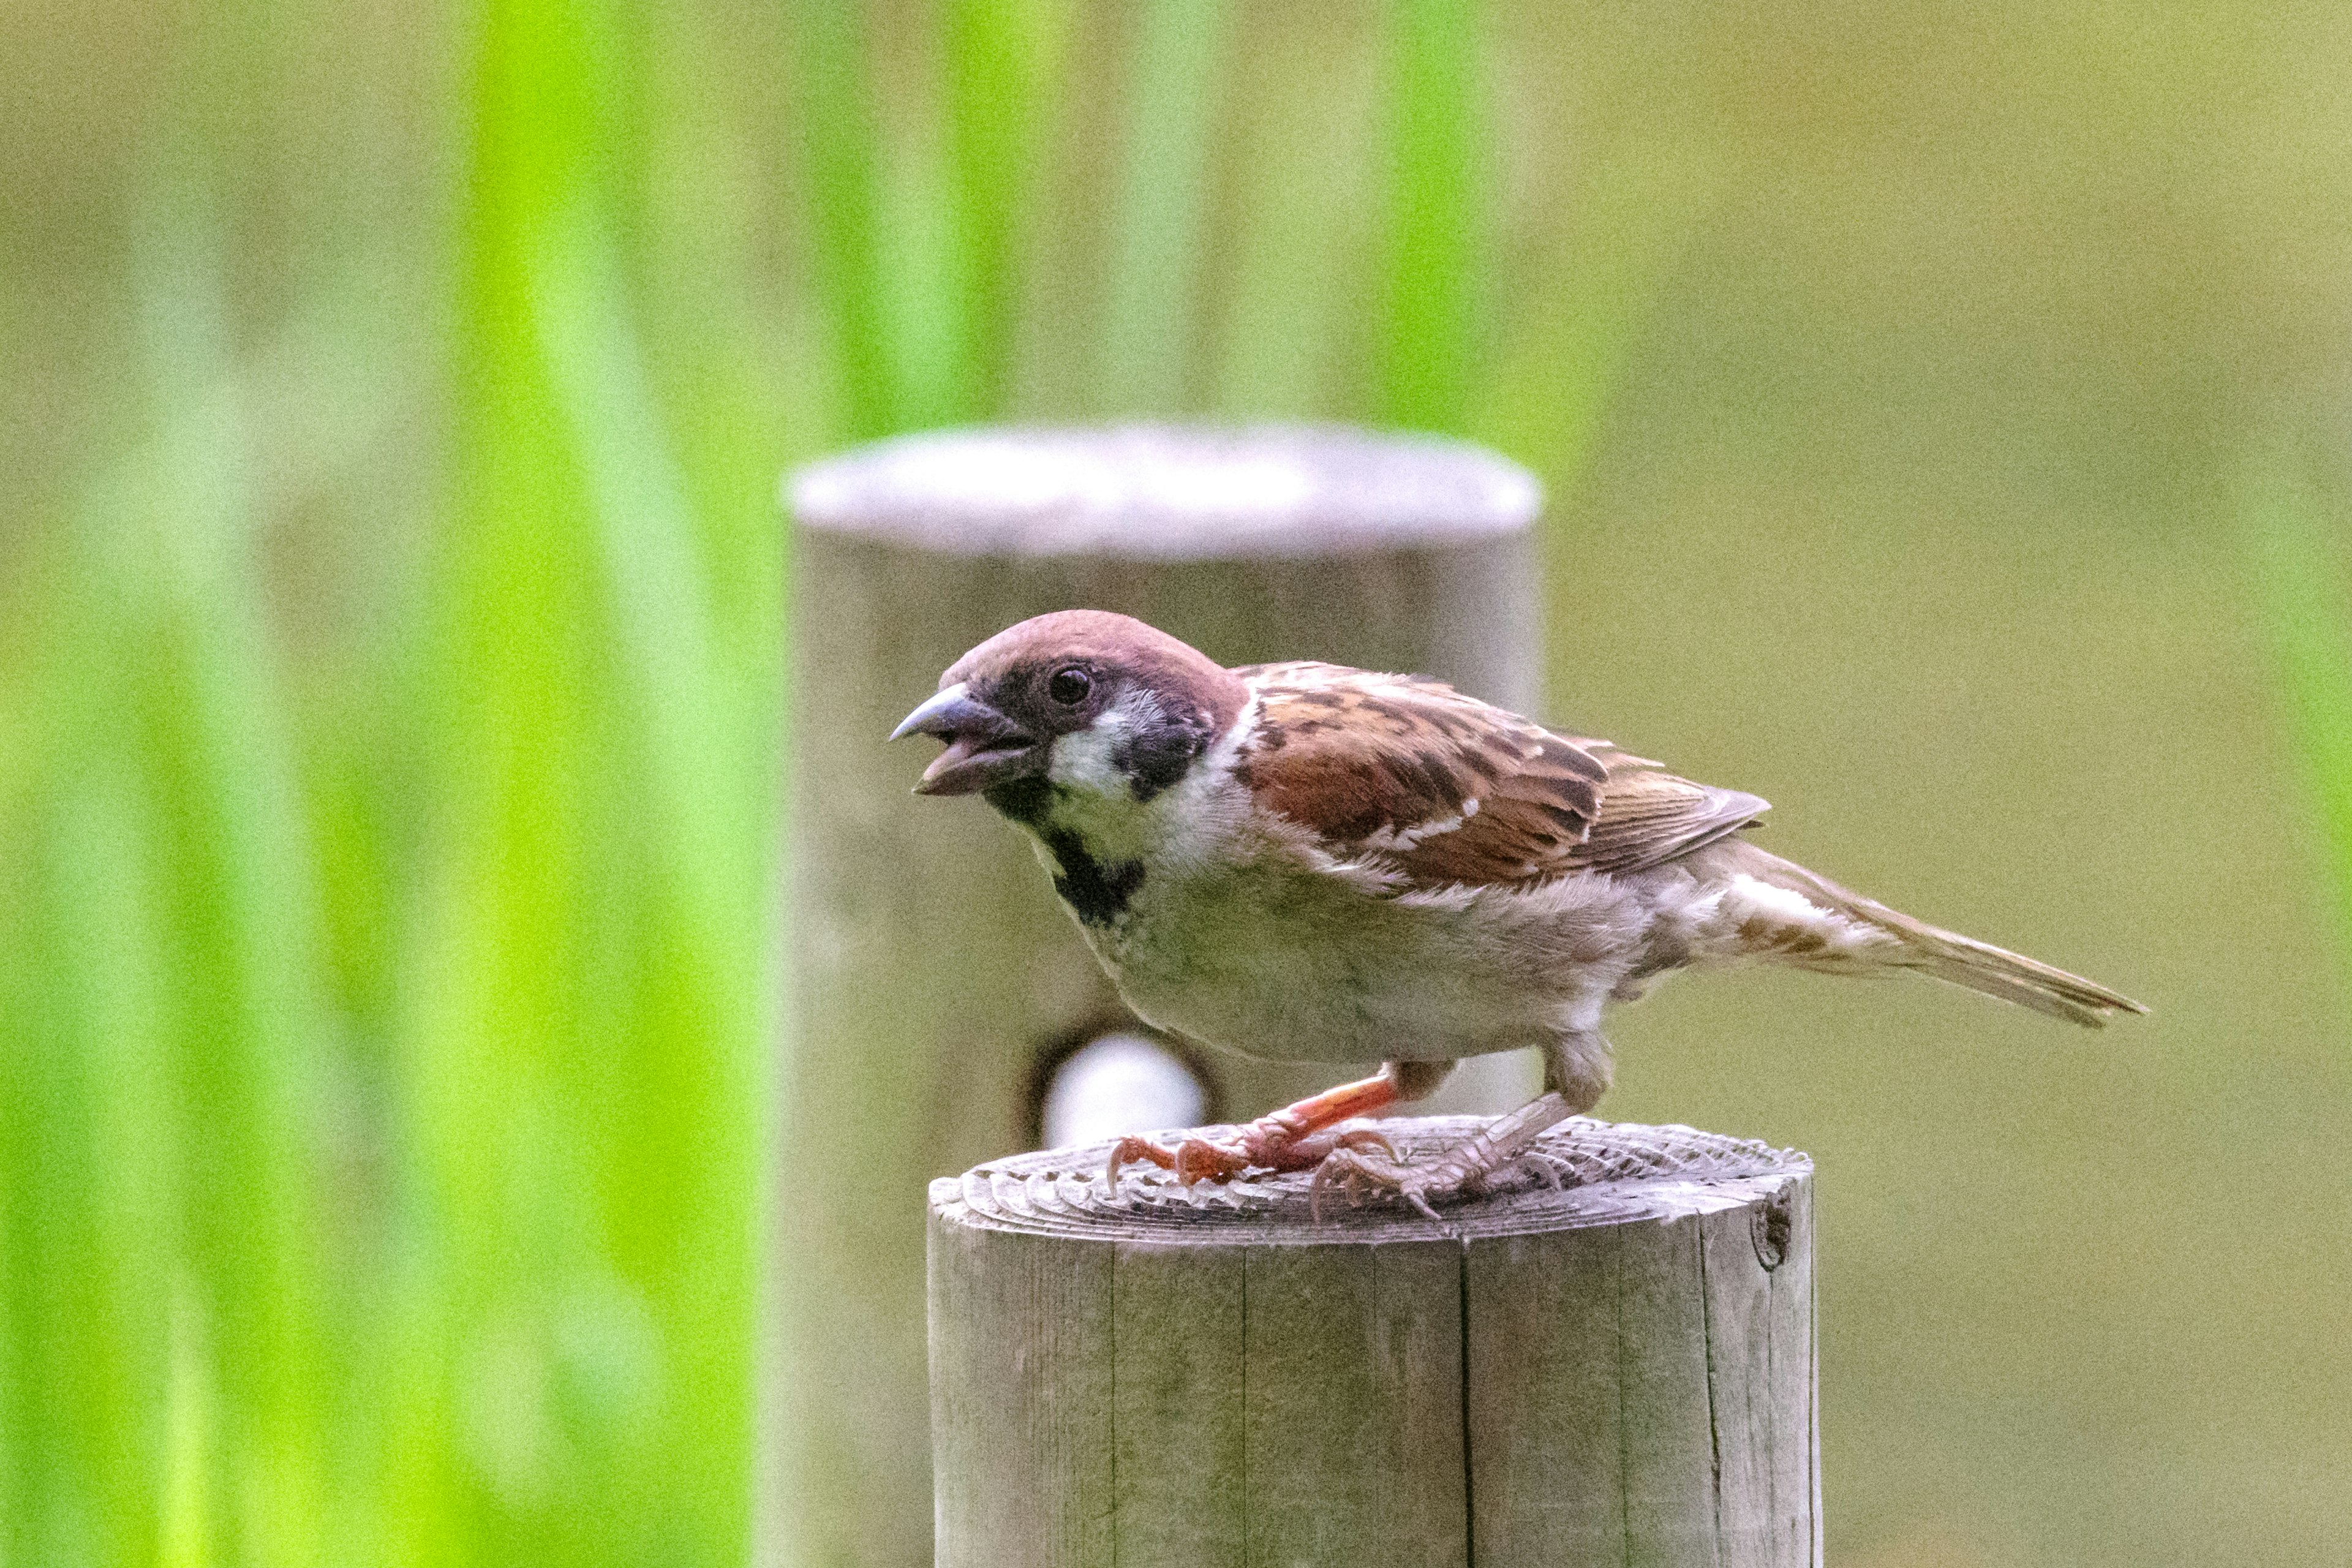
1160,210
183,1019
1564,354
87,1142
916,270
2302,581
1428,296
247,942
506,990
892,285
1005,63
692,1224
1286,312
174,998
694,731
186,1534
588,1035
709,327
841,169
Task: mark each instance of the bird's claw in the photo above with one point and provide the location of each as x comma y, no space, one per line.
1127,1150
1260,1146
1201,1159
1193,1160
1357,1171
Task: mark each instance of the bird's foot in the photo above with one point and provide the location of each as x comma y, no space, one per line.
1263,1144
1358,1173
1295,1138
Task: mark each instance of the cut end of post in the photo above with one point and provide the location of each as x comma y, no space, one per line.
1579,1172
1160,492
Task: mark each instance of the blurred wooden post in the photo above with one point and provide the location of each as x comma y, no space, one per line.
1616,1373
931,963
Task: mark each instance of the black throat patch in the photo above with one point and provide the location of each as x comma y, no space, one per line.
1096,893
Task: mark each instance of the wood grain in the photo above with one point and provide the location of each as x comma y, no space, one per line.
1618,1369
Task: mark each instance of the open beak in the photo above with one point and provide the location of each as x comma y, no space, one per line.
985,747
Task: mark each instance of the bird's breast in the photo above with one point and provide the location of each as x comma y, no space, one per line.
1279,959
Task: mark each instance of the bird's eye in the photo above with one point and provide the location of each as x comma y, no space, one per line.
1069,686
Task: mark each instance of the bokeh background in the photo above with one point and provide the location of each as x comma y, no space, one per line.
1943,409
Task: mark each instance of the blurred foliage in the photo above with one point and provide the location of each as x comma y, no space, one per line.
390,676
390,834
2300,572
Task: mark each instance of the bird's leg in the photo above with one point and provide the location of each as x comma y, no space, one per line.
1294,1138
1575,1073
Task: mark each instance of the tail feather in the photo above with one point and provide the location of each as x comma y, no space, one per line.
1996,972
1955,959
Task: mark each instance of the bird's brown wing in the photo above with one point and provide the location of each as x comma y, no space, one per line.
1648,815
1437,788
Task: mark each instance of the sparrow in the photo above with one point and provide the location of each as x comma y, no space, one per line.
1308,862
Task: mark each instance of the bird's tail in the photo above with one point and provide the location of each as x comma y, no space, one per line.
1942,954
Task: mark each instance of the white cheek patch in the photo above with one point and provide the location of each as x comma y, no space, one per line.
1082,761
1190,823
1087,759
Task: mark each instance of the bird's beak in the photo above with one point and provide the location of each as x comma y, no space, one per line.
985,747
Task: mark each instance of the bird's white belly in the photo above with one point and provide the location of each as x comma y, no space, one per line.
1282,961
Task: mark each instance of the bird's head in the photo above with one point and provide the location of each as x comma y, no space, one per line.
1080,700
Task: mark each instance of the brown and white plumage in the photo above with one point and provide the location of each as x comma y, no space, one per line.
1304,860
1444,788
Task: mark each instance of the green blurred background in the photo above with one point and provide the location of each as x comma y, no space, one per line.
1943,407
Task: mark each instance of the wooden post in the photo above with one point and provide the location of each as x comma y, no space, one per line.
931,963
1618,1371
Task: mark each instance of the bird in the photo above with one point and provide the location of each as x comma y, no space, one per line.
1309,862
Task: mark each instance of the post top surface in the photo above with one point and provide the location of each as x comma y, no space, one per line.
1166,492
1606,1174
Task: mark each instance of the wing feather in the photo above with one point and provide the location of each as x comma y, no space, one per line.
1438,789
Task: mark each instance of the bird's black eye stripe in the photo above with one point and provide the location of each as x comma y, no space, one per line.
1070,685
